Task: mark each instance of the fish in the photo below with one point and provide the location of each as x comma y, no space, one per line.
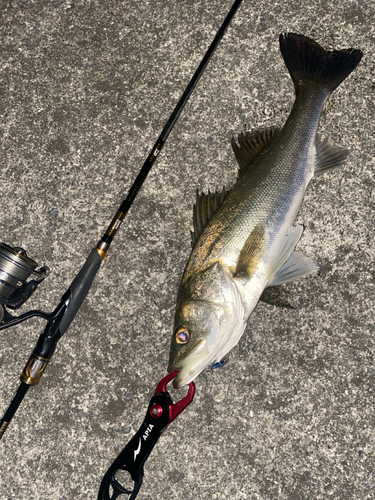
244,238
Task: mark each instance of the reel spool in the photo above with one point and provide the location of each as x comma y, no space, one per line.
15,269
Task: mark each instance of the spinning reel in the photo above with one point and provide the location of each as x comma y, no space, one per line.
15,269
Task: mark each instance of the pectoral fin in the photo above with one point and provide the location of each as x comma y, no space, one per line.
252,252
296,266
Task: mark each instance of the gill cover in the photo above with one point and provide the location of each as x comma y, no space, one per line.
211,314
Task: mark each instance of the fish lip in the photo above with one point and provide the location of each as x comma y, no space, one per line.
189,371
187,379
180,360
180,383
180,363
176,381
174,367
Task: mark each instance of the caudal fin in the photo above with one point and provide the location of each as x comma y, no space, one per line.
307,61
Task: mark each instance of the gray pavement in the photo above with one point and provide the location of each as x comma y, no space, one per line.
85,90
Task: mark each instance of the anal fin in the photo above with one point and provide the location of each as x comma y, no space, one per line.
328,156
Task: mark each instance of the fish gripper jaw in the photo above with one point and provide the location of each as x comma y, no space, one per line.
160,413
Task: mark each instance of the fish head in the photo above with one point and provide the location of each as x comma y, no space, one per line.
197,328
209,321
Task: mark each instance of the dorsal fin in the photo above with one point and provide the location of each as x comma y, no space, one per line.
250,144
204,208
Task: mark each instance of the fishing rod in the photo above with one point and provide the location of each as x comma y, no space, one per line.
16,267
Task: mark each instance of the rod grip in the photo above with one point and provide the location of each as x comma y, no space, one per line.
80,287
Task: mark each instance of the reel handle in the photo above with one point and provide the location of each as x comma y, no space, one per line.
57,324
67,310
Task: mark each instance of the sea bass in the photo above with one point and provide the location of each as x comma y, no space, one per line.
244,239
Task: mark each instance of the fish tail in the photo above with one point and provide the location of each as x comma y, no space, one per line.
307,61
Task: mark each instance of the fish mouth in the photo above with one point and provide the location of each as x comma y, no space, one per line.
193,363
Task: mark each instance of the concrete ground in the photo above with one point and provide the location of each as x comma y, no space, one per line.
86,88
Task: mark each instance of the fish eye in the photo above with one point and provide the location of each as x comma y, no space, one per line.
182,335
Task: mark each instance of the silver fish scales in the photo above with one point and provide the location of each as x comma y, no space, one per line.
244,239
